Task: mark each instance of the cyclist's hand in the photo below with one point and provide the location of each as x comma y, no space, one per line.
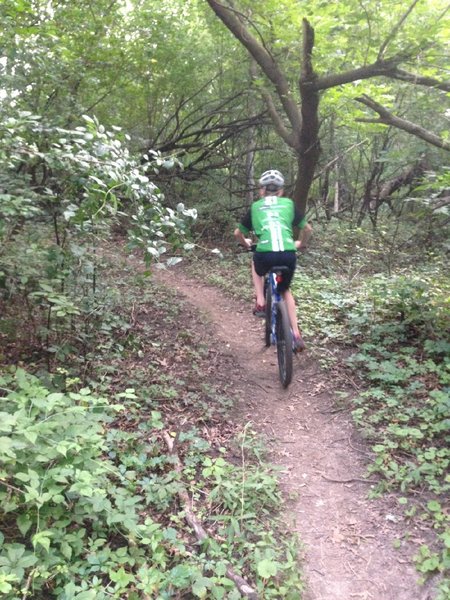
248,242
299,246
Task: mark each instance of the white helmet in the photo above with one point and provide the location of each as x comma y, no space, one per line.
272,179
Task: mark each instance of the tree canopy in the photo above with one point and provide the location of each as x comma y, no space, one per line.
133,132
380,54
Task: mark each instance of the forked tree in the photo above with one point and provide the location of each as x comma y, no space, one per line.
297,120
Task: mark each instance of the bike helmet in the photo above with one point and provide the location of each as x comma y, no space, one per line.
271,180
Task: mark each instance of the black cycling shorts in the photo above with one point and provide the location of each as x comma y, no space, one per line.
264,261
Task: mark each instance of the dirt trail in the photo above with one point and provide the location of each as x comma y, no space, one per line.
349,540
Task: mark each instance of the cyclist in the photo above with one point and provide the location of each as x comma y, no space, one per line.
271,219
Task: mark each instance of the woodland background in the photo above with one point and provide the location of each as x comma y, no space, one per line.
147,122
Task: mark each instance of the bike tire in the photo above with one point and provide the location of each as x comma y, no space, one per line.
268,324
284,345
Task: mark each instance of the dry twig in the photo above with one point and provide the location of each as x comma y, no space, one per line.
244,588
351,480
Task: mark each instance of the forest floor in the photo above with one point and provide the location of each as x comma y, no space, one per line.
351,543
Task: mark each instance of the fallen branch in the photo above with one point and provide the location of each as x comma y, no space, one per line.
28,583
352,480
11,487
245,589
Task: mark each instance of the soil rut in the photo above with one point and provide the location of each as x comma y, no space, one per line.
349,540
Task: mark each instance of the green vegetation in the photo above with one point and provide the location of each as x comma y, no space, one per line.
91,493
394,330
120,123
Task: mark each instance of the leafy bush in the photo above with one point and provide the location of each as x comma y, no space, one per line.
414,304
396,326
79,178
90,511
65,191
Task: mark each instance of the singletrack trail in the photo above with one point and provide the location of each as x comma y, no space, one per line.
348,539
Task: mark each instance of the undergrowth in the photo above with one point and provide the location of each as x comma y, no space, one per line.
91,495
393,328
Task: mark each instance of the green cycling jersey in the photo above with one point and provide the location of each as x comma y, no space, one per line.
272,219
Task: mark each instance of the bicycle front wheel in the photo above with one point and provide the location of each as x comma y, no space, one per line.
268,324
284,344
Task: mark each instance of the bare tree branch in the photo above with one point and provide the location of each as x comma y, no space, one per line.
395,29
262,57
197,138
183,102
380,68
194,522
419,79
388,118
253,24
376,69
337,158
277,120
369,27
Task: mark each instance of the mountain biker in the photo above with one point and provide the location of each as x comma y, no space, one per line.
271,219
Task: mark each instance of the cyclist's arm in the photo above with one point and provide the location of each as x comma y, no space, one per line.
304,237
241,239
305,230
243,229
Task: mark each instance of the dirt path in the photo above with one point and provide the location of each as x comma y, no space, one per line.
349,540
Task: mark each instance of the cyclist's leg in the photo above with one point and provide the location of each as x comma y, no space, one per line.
260,266
290,262
292,312
299,344
258,282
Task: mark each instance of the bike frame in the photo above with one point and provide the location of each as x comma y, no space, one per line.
278,330
271,279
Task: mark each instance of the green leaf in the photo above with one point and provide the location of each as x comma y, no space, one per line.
121,577
5,579
30,435
23,523
429,564
87,595
200,586
379,448
267,568
42,539
180,575
434,506
28,560
445,537
220,569
6,445
66,550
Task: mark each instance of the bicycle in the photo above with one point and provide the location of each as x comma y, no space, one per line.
277,326
277,329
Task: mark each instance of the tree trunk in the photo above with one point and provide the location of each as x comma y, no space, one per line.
251,149
297,126
309,149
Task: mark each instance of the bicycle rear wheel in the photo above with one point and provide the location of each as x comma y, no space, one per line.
284,344
268,324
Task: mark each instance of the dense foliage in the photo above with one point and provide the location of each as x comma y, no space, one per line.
90,492
120,122
65,190
390,320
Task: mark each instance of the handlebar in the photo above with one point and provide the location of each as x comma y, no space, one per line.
252,248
